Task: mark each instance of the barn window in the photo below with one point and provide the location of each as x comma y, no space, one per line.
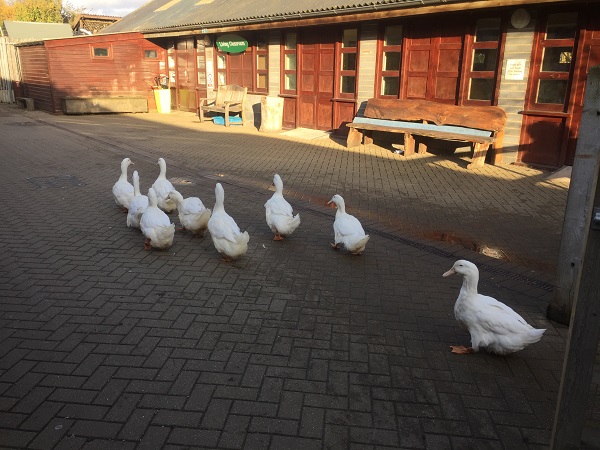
101,52
552,61
348,53
261,51
152,54
483,50
390,56
289,54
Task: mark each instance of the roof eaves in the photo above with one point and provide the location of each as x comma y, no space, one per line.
300,14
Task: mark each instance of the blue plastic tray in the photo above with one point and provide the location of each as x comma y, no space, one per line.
233,120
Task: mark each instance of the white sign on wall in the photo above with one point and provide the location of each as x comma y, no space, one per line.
515,69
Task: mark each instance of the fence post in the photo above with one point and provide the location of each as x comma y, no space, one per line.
579,201
584,329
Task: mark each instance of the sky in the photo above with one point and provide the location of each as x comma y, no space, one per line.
118,8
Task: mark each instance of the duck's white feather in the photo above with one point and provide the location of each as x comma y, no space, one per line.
492,324
224,231
193,215
279,213
156,225
347,229
138,203
123,190
162,186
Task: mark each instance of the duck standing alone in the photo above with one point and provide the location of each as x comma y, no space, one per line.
163,187
123,190
492,324
193,215
279,213
138,203
156,225
347,229
225,233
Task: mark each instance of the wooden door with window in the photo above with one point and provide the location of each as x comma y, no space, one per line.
548,114
432,61
186,75
316,83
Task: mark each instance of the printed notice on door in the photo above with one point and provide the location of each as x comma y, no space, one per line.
515,69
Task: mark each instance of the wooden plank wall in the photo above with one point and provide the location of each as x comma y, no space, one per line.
367,64
274,62
9,72
512,92
35,76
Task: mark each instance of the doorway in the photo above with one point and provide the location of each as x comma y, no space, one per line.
566,45
432,62
316,83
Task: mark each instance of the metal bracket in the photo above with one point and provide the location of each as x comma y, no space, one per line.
596,218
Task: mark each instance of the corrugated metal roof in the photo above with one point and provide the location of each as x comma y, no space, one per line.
169,14
36,31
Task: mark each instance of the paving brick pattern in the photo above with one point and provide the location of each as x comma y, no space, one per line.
106,345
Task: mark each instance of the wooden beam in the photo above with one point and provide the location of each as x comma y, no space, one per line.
582,343
578,210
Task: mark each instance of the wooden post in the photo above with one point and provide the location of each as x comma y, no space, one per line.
584,330
479,151
354,138
582,345
409,144
579,200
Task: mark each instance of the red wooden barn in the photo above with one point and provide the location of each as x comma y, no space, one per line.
118,68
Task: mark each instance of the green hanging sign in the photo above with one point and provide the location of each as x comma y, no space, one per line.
232,43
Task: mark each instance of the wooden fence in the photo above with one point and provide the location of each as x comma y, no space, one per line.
9,70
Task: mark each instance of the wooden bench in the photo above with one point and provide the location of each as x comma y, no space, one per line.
230,98
480,125
25,102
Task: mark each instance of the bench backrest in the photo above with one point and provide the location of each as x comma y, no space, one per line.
491,118
230,93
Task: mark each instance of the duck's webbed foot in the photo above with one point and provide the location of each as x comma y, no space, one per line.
461,349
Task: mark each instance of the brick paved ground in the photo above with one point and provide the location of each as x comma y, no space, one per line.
105,345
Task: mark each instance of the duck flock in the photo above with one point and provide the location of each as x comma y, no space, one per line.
493,326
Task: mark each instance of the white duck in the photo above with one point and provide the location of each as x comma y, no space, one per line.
123,190
138,203
225,233
192,213
492,324
156,226
279,212
347,229
163,187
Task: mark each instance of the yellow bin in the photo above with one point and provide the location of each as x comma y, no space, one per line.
163,100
